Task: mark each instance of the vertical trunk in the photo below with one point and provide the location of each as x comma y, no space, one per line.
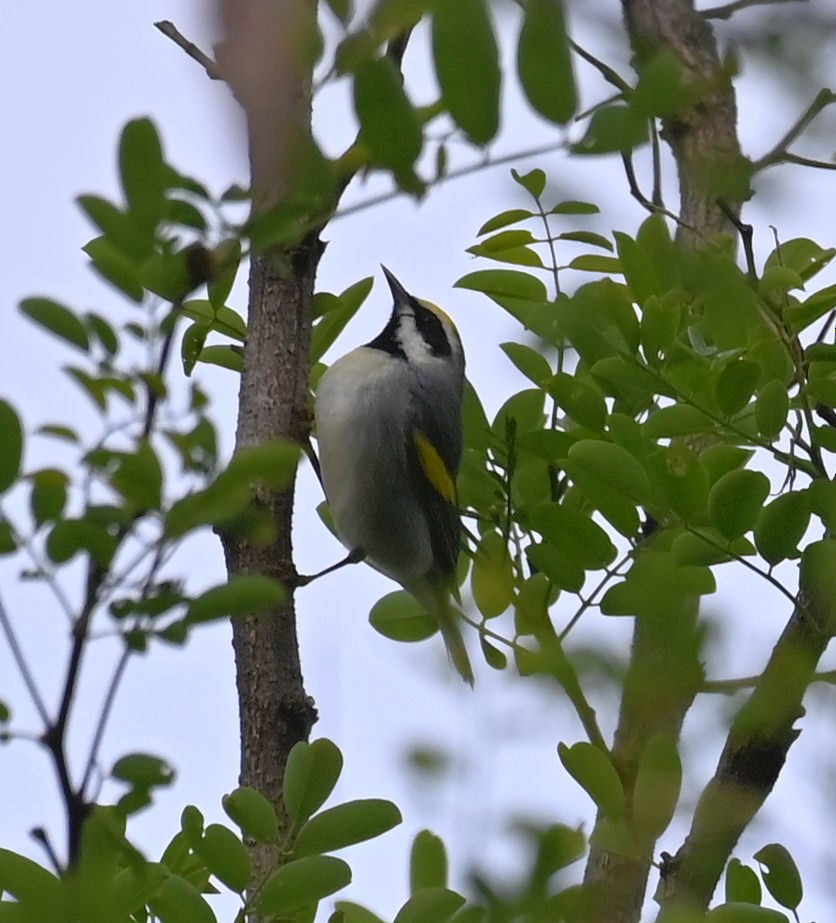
266,58
703,139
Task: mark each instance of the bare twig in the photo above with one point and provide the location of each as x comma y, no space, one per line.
746,232
642,199
780,153
727,10
611,76
485,164
22,665
169,30
809,162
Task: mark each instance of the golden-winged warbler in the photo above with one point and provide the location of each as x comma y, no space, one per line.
389,429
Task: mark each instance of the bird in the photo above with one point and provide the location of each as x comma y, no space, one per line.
388,419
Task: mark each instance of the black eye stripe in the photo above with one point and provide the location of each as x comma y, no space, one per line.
432,330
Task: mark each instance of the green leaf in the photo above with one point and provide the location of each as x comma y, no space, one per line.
400,617
661,90
49,495
427,862
11,440
114,267
103,332
818,581
612,465
781,526
8,545
742,884
242,595
253,813
36,889
657,786
660,322
681,480
179,901
802,255
581,400
612,129
388,123
310,775
708,547
587,237
57,431
126,235
592,770
132,887
563,570
346,824
143,172
677,420
436,904
573,207
530,362
594,262
71,536
466,61
492,576
504,283
142,770
573,533
743,913
780,875
735,385
301,883
226,857
736,500
503,219
534,182
353,913
772,408
333,321
272,463
544,61
139,478
721,458
223,319
58,320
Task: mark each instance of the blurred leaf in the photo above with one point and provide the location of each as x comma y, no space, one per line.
781,525
544,61
310,775
592,770
780,875
677,420
226,857
241,595
742,885
37,890
388,123
345,825
534,182
492,576
11,439
225,357
253,813
427,862
661,90
657,786
142,770
333,321
71,536
353,913
49,494
400,617
179,901
143,172
743,913
114,267
614,128
772,408
818,580
302,882
436,904
735,385
563,570
581,400
681,480
573,533
58,320
614,466
802,255
139,478
467,66
120,228
736,500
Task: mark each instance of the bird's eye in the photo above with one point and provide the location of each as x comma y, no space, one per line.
432,330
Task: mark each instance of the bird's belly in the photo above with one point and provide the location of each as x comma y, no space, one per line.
362,448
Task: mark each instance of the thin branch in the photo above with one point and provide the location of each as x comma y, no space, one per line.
611,76
642,199
22,665
729,9
485,164
169,30
589,601
808,162
779,153
746,232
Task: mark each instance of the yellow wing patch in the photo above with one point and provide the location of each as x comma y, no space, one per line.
434,468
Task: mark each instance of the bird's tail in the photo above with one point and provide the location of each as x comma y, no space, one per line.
438,603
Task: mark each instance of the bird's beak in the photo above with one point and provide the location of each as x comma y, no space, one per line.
399,293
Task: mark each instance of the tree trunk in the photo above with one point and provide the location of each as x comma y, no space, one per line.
703,139
266,58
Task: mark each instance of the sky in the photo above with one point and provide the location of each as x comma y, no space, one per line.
73,75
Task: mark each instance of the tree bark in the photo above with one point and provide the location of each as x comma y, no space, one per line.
704,143
266,58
